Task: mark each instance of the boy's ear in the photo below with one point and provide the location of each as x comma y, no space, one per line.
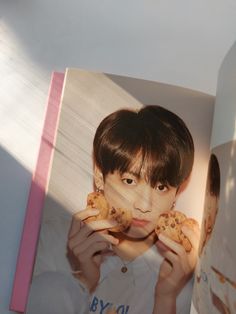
98,178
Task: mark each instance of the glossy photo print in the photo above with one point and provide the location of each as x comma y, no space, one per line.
124,198
215,282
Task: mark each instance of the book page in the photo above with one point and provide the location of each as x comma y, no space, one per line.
89,97
215,282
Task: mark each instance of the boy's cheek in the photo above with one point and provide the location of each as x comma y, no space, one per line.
116,195
163,204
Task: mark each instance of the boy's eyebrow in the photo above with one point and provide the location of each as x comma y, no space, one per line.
133,173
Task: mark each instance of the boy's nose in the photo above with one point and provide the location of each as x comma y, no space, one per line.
143,200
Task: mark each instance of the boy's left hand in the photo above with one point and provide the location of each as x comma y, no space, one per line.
178,265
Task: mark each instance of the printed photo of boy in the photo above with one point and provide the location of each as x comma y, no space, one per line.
140,160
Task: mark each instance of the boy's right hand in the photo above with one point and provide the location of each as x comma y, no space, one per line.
86,241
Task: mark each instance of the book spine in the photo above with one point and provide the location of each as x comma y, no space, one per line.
31,228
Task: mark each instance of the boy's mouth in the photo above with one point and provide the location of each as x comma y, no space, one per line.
139,222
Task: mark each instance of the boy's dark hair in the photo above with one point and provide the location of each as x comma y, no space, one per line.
214,176
158,135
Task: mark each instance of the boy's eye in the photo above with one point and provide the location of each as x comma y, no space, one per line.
129,181
161,187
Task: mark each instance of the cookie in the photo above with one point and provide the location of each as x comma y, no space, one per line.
97,200
122,216
170,223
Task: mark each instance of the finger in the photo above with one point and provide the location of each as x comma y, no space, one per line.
161,246
182,261
171,257
105,231
98,225
87,230
180,266
165,269
86,213
79,217
78,244
172,245
102,224
193,235
89,252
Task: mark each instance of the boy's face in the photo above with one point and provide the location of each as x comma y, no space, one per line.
211,207
209,215
132,192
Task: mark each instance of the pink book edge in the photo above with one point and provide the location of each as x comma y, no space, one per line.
31,228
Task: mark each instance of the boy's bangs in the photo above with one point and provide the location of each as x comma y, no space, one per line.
162,168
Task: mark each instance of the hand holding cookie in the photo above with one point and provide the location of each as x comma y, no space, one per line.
180,236
88,238
170,223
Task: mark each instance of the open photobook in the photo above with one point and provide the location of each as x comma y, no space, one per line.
125,177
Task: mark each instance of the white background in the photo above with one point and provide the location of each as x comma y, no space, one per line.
176,42
224,123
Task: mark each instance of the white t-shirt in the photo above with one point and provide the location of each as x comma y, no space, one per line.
55,292
132,292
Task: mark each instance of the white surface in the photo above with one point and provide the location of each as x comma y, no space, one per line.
176,42
224,124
